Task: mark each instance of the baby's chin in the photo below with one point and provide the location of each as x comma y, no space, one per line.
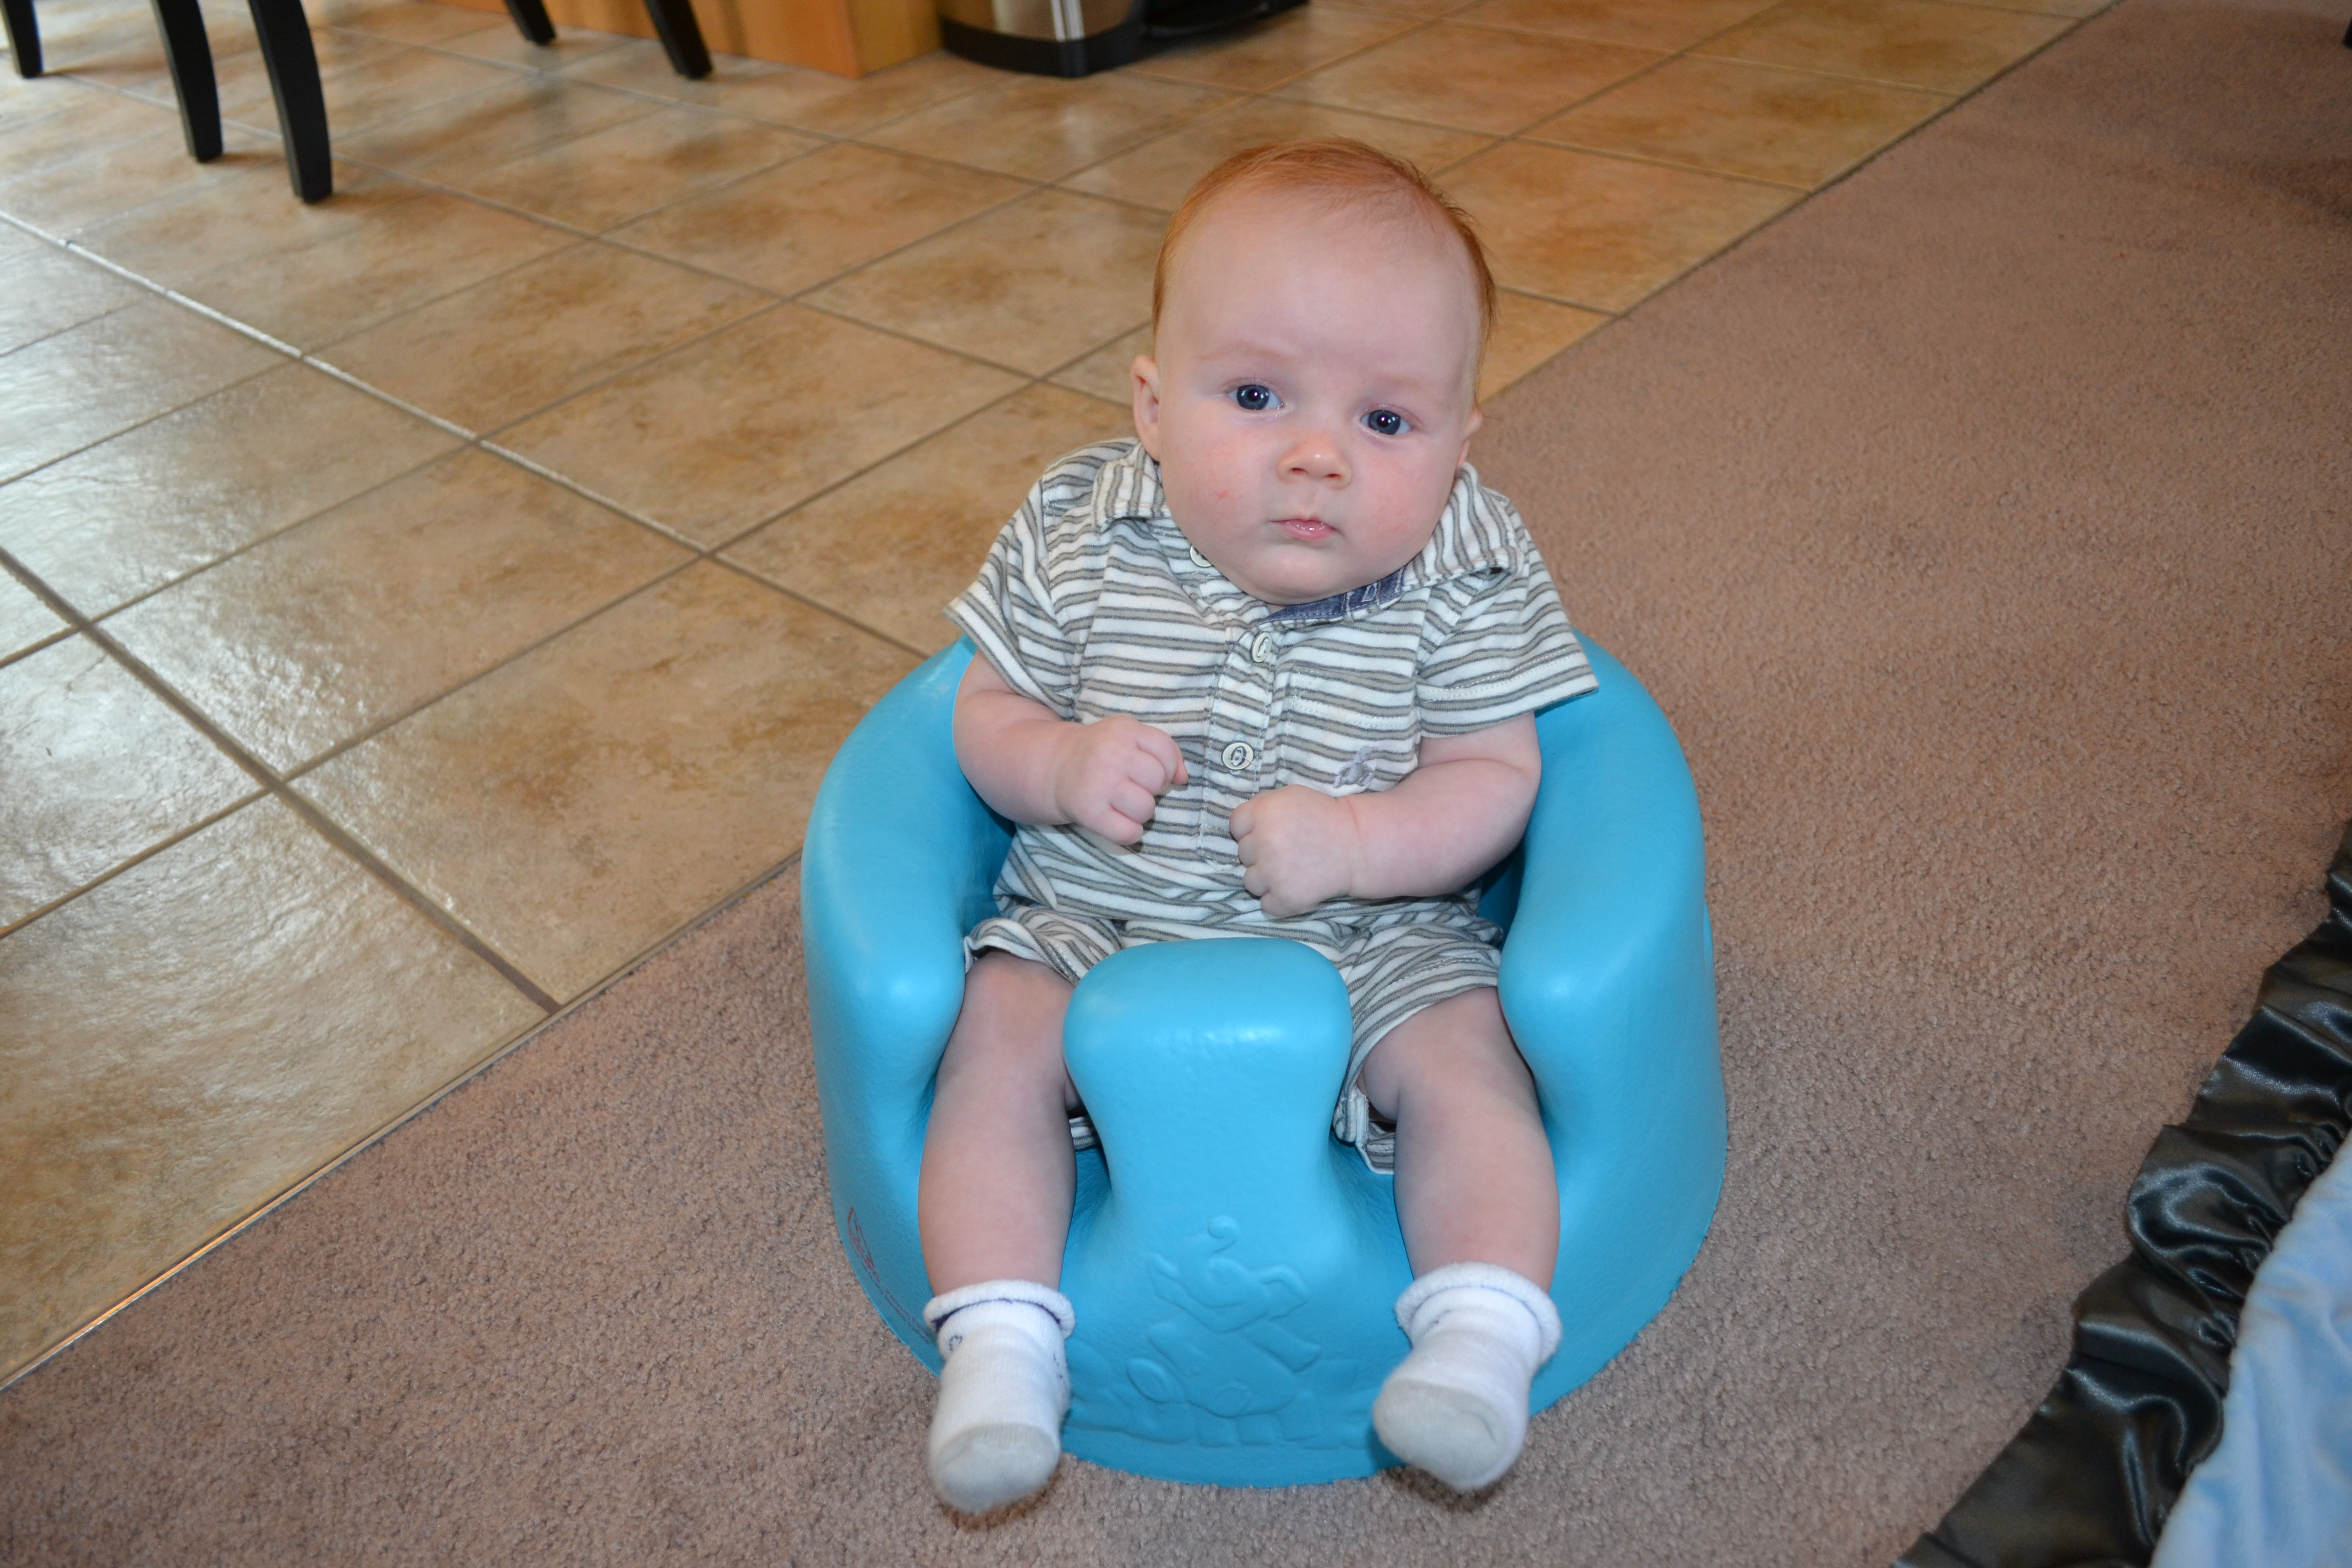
1302,576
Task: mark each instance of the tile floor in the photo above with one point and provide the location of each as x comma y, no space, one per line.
417,608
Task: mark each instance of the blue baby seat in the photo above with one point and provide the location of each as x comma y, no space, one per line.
1232,1266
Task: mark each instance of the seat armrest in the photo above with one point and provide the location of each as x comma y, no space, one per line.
899,862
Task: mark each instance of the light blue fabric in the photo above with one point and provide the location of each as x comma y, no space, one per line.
1233,1269
2277,1493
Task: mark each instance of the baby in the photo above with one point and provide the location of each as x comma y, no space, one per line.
1269,671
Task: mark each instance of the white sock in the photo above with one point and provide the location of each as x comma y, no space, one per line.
996,1431
1457,1406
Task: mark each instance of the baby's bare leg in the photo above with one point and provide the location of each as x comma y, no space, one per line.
1478,1197
994,1208
998,1175
1473,1175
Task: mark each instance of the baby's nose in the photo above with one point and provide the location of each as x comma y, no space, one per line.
1316,456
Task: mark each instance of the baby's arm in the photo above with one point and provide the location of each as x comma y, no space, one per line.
1037,767
1456,814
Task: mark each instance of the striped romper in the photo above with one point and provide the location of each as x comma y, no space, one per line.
1092,603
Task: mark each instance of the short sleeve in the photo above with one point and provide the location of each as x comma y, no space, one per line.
1507,650
1026,610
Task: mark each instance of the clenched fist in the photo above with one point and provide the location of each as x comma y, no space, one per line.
1110,775
1299,847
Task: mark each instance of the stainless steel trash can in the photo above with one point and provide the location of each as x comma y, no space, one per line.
1073,38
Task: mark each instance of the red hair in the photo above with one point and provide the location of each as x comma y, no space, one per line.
1341,174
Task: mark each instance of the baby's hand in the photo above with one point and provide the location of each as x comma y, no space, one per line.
1109,775
1299,847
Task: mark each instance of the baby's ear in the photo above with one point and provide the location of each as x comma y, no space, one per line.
1145,374
1469,428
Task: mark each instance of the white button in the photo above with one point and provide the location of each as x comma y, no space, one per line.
1199,559
1239,756
1262,650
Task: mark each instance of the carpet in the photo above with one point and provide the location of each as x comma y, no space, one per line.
1982,527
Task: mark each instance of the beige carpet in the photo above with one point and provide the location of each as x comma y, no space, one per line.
1982,526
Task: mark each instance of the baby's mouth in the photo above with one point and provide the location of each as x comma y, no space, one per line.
1305,528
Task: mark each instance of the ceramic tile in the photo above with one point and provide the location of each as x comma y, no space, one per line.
610,176
504,44
396,257
195,1038
1030,285
794,226
1910,43
132,514
67,199
99,768
2075,10
1668,25
24,618
791,95
365,81
580,804
890,548
1158,172
1529,331
488,355
1474,79
521,113
336,627
121,46
1107,371
405,21
1041,128
1268,54
1418,10
47,291
1767,125
85,383
84,120
211,226
1601,232
729,431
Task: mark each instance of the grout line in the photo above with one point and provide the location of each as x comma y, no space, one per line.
358,738
491,1058
327,827
740,570
585,493
140,858
36,645
1650,159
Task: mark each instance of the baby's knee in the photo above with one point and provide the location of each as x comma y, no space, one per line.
1011,1023
1457,1048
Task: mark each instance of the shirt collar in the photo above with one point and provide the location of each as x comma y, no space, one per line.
1470,535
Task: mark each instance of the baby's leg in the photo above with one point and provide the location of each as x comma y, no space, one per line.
1474,1173
994,1209
1479,1202
998,1173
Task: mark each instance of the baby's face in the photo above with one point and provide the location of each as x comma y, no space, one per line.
1311,393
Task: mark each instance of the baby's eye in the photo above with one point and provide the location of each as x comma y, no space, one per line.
1385,422
1255,398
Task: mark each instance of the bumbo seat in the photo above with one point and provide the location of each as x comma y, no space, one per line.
1232,1266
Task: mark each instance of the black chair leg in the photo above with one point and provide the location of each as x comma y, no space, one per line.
682,35
190,56
530,20
293,66
24,36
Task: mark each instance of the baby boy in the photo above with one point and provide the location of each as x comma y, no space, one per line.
1269,671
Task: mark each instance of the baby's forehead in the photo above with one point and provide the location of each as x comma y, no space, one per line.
1347,224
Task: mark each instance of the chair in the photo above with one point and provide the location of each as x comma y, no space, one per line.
286,52
1232,1266
284,32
